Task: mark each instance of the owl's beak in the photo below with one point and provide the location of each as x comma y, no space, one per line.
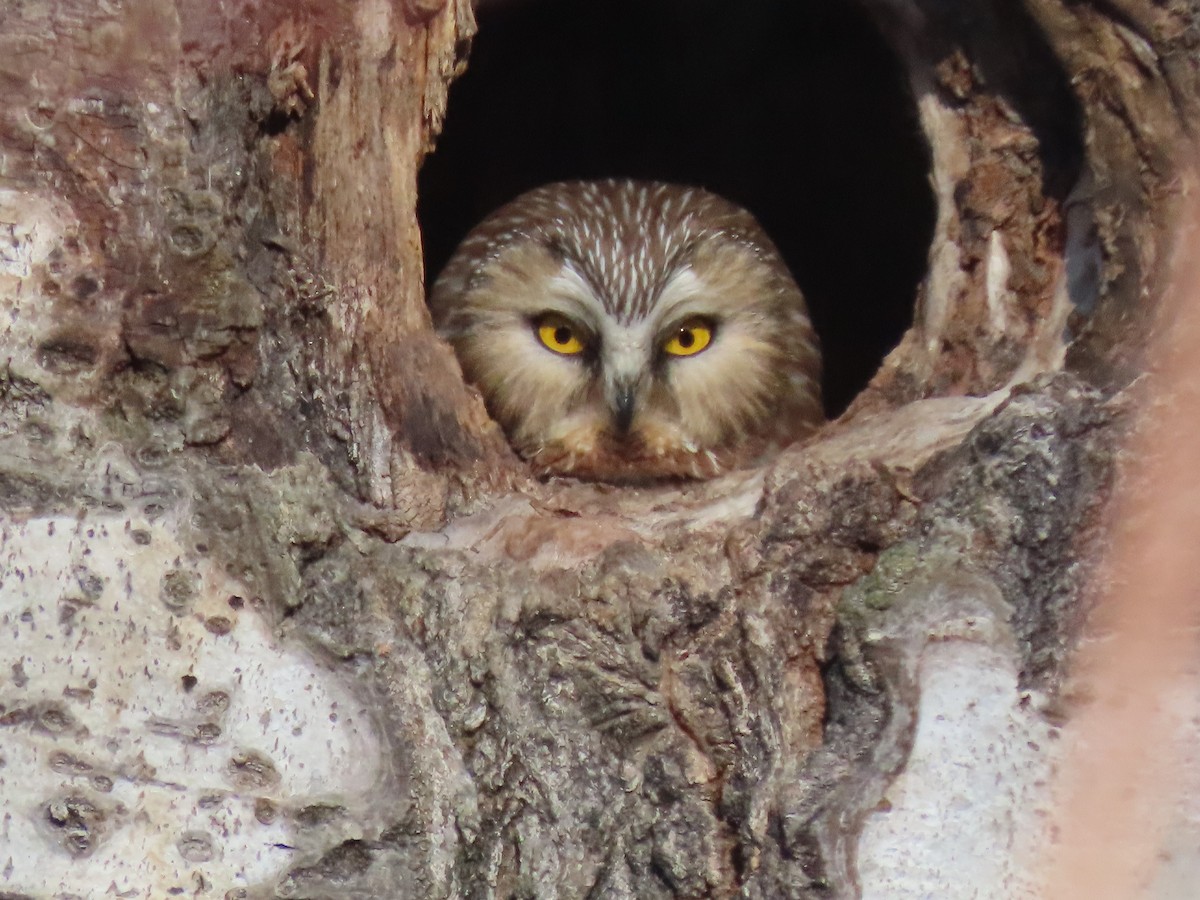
624,405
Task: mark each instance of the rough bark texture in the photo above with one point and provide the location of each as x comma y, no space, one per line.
283,615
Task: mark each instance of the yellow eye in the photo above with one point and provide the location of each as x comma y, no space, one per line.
559,335
692,337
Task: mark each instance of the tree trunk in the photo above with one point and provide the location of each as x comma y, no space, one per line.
284,616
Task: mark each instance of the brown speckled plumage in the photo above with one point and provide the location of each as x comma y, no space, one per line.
624,263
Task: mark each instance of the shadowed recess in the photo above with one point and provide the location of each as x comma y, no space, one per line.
797,111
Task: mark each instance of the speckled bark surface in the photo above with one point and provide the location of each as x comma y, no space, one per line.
284,617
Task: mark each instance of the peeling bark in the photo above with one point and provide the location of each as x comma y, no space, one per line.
285,616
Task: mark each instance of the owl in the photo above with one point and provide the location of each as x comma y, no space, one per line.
631,331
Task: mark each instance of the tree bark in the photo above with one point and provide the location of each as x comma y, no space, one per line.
284,616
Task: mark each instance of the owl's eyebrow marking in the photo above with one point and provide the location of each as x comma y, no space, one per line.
682,287
577,292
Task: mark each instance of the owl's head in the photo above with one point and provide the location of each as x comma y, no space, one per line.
625,330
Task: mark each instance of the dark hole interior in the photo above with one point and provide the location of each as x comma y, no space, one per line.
798,111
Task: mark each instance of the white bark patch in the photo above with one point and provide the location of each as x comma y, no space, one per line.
32,228
1047,349
143,714
999,297
950,166
43,257
966,812
971,813
29,229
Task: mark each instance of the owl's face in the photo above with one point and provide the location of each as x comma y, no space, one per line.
625,331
